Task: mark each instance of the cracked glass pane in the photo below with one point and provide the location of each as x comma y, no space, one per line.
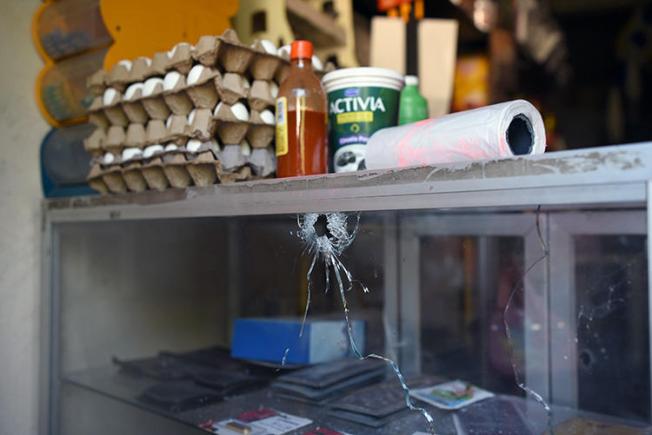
612,308
531,320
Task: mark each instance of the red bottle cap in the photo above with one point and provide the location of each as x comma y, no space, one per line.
301,49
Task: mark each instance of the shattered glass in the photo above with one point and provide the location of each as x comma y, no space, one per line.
327,246
611,307
326,237
545,308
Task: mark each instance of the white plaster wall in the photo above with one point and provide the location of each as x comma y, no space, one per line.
21,131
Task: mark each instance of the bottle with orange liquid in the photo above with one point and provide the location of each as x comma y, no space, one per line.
301,116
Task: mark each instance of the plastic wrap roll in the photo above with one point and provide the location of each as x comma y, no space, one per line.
493,132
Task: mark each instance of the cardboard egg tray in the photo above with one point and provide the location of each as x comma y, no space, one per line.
151,114
118,169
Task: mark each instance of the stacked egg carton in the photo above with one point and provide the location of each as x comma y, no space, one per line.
194,115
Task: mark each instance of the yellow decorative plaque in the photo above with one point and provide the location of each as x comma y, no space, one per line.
143,27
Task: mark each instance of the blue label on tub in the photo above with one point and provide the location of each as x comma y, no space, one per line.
351,92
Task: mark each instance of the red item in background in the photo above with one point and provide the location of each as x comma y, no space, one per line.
386,5
301,50
258,414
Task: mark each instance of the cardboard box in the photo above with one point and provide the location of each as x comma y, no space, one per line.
437,51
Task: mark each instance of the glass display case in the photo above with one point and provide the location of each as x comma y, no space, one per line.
526,279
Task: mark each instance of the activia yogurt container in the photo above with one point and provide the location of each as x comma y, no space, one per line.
360,102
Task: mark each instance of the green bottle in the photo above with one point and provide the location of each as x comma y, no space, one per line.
412,107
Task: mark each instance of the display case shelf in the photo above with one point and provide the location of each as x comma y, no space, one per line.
110,383
590,176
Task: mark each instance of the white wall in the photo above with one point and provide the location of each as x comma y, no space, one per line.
21,131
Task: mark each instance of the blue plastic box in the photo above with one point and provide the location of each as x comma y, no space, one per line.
264,339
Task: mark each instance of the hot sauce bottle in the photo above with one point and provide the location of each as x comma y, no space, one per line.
301,114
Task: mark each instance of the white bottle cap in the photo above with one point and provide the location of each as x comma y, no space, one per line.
411,80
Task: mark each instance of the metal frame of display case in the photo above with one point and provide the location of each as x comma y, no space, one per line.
605,177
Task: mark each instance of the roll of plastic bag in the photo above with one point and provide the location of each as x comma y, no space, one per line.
504,130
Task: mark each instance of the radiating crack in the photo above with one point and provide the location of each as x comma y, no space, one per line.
327,246
508,333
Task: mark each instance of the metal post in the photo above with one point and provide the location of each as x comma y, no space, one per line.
648,210
391,256
410,308
235,279
486,285
536,327
49,364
